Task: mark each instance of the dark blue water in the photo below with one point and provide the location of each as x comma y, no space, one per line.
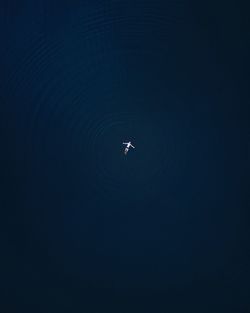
85,228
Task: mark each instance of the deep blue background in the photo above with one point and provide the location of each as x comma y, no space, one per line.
86,229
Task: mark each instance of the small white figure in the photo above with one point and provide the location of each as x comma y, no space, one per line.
128,145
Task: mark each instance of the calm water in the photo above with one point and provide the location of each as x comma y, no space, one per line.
86,228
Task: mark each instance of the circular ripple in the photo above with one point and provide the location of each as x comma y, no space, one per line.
113,174
63,75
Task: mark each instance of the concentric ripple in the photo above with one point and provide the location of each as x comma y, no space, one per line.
82,89
113,174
